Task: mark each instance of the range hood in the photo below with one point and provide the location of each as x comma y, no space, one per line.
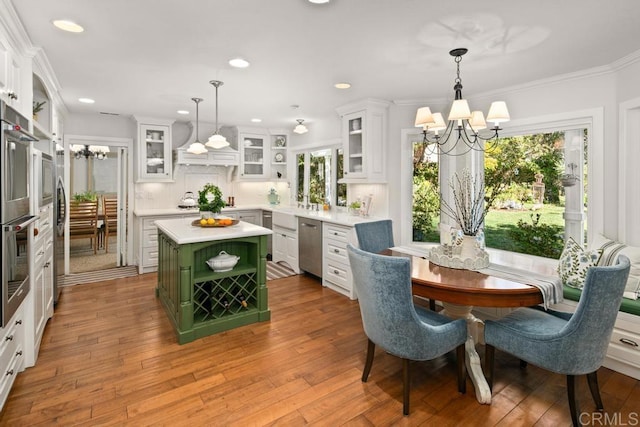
214,157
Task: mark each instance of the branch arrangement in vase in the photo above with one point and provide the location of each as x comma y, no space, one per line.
468,197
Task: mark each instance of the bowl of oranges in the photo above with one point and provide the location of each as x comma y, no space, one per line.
221,221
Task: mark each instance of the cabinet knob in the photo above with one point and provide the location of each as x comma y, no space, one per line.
336,251
336,272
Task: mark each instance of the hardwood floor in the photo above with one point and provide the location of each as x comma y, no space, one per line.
109,357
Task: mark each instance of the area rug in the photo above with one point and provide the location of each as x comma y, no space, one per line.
278,271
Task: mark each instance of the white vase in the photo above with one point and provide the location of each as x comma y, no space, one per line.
468,247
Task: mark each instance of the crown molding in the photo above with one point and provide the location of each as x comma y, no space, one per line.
561,78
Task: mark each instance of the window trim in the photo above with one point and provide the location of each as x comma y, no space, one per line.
305,151
591,119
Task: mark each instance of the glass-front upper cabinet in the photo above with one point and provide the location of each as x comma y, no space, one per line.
364,133
154,151
253,153
354,144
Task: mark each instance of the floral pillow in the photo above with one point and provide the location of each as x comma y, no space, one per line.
574,263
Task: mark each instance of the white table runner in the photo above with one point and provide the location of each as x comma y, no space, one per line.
550,286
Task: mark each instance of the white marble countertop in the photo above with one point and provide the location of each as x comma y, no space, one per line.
338,216
182,232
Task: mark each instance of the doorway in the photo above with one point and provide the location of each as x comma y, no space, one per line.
98,177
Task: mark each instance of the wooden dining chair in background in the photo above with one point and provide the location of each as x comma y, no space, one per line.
83,222
110,211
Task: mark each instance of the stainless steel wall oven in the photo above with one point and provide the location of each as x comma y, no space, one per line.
14,210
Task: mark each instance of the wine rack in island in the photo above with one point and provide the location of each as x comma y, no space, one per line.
201,302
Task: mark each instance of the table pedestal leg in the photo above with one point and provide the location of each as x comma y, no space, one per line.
472,360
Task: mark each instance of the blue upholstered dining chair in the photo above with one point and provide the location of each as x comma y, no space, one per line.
376,236
564,343
391,320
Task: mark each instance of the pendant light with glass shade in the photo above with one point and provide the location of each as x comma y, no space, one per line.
463,125
197,147
300,128
216,140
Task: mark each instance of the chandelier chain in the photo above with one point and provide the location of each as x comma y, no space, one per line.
458,60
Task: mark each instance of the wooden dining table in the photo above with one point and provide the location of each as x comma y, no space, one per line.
459,291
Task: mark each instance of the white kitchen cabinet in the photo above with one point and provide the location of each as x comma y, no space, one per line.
253,216
147,239
285,247
263,152
253,155
364,132
12,352
623,354
154,151
336,270
40,300
15,87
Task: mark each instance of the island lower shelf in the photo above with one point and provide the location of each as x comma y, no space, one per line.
200,302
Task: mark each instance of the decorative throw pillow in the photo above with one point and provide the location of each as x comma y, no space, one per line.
574,263
610,252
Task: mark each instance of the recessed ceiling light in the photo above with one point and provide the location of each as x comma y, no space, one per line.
256,120
239,63
343,85
86,100
183,112
319,1
69,26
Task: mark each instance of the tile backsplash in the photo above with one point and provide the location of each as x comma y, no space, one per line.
193,178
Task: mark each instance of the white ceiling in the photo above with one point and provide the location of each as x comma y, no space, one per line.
150,57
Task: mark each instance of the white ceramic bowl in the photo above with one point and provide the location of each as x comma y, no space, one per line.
223,262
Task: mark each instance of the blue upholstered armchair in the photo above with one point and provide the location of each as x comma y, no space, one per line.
564,343
376,236
391,321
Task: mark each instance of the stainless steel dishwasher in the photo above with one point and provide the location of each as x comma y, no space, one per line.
310,246
267,223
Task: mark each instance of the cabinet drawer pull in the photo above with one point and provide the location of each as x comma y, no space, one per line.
19,322
10,372
627,341
9,338
19,353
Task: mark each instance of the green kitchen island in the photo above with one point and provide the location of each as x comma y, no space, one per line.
200,301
